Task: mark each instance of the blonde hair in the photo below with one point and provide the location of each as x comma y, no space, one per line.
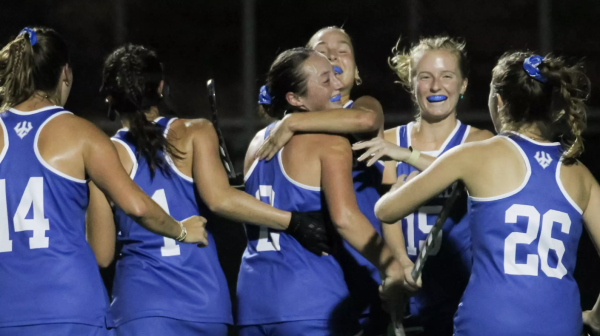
403,61
26,68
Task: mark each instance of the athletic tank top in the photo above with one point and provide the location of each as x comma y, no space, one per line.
48,272
362,277
158,276
524,249
280,280
447,271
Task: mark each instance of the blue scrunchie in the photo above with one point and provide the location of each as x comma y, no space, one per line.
32,35
531,65
264,98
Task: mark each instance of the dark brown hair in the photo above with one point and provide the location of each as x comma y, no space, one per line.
131,77
556,107
286,75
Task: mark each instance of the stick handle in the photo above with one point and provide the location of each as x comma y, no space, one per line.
435,230
225,158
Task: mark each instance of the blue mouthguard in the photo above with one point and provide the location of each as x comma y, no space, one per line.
434,99
337,70
336,98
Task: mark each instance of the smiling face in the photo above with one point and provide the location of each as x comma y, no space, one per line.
322,86
335,44
437,84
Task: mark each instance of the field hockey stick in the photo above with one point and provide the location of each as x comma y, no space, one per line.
234,180
430,242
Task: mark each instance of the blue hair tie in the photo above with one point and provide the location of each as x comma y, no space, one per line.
531,66
32,35
264,98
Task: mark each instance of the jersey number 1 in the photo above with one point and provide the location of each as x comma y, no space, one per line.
33,197
170,248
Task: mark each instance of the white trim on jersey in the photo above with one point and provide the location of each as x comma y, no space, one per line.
510,193
348,103
19,112
562,189
170,161
126,129
434,153
535,142
157,119
296,183
254,164
466,135
5,149
39,156
131,155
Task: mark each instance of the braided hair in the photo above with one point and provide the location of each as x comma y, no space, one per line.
131,77
26,68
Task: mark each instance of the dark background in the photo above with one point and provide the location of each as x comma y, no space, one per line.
235,41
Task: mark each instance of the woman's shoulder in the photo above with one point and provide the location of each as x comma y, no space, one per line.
476,134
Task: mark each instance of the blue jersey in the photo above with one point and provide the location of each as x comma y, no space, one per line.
48,272
524,249
280,280
158,276
362,277
447,271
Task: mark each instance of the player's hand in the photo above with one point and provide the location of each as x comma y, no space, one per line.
278,137
403,179
310,230
591,321
392,293
410,285
380,149
196,231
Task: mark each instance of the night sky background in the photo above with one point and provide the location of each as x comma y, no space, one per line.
198,40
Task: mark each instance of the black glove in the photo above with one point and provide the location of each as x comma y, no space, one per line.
310,230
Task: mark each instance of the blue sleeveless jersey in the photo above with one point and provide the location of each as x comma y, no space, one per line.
362,277
48,272
279,280
525,248
158,276
447,271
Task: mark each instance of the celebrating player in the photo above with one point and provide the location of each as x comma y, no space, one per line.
49,278
529,196
282,290
161,287
360,119
435,72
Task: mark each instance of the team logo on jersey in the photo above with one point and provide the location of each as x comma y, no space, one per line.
23,128
543,159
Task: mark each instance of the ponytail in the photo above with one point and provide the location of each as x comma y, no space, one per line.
32,62
571,87
556,104
131,76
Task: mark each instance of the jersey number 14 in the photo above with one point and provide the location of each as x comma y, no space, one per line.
33,197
